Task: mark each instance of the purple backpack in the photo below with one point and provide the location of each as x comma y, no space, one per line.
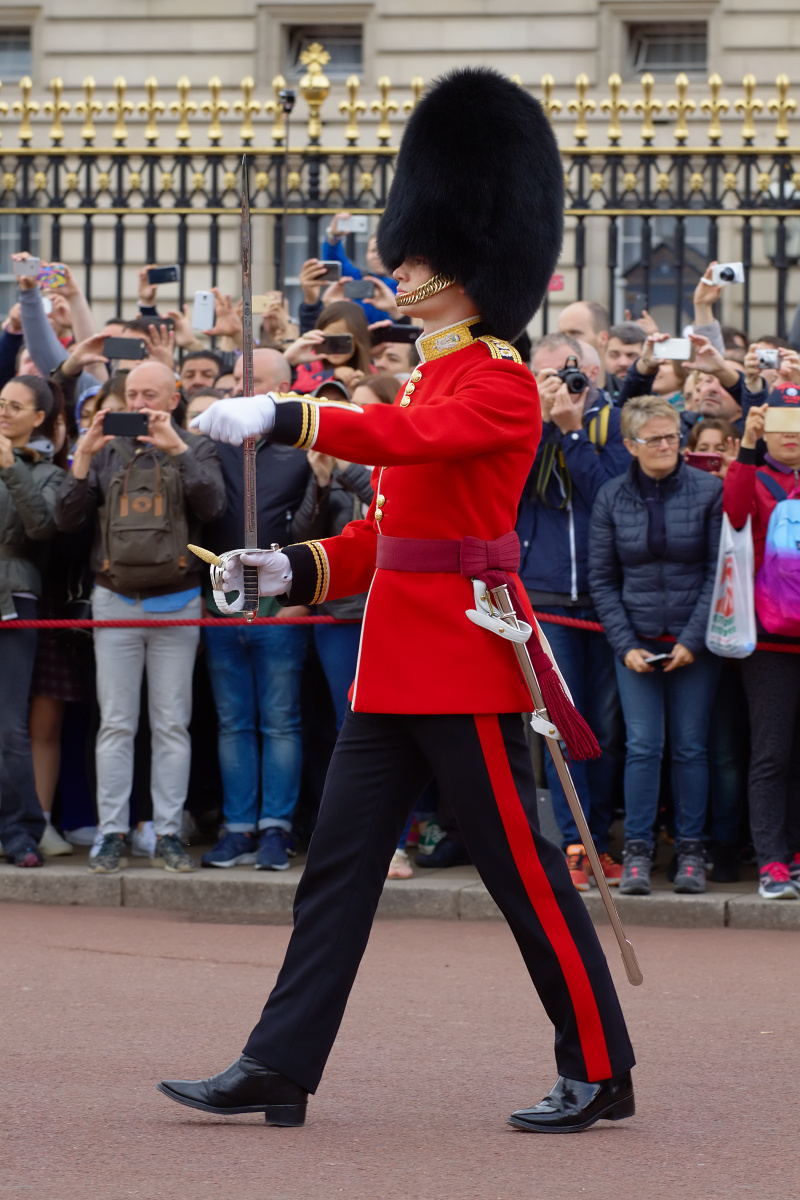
777,590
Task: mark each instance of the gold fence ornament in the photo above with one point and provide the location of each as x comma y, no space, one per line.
120,108
247,107
383,108
550,105
315,86
581,107
352,108
214,107
680,108
417,86
87,109
24,108
183,107
614,106
152,109
714,107
782,107
647,106
749,106
275,108
56,108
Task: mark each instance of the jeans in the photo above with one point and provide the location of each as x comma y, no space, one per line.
21,820
121,656
337,647
683,697
586,661
255,676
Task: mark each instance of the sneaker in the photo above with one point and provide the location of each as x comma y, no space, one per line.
232,850
85,836
446,853
52,843
28,856
575,857
143,841
429,838
400,867
637,858
611,868
775,882
272,854
171,855
110,855
690,876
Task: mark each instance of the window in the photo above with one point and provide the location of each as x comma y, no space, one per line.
668,46
344,43
15,54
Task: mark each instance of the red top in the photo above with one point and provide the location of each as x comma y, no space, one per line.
745,495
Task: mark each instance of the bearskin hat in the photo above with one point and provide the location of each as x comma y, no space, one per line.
478,191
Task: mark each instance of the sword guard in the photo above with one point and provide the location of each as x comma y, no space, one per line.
488,617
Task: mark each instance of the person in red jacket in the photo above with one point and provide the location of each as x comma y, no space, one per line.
472,231
771,678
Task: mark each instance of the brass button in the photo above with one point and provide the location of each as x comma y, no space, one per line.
378,515
409,388
404,403
416,375
381,500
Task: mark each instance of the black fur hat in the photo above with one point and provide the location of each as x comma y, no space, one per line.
478,191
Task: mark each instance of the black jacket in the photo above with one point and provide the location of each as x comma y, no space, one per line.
637,595
324,513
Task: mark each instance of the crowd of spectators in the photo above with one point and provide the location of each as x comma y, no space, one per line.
145,738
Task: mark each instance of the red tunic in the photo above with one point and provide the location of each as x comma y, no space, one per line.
456,448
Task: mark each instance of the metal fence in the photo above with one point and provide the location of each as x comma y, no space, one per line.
655,212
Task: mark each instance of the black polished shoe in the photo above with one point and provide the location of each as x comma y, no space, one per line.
247,1086
573,1106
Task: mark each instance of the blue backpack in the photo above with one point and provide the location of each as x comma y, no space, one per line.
777,588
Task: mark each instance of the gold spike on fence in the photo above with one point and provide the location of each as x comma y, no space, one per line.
614,106
714,107
352,108
183,107
749,106
275,108
417,85
120,109
681,108
549,104
648,107
87,108
56,108
384,107
581,108
214,107
25,108
152,109
782,107
248,107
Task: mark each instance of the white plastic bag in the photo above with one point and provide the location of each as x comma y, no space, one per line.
731,630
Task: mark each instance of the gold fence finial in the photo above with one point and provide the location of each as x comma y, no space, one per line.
614,106
119,108
384,107
714,106
315,87
417,85
581,107
151,108
87,109
183,108
247,106
681,107
56,108
748,107
549,104
276,108
647,106
25,107
353,108
214,107
781,107
517,79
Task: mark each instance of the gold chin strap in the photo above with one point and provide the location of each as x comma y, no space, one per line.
437,283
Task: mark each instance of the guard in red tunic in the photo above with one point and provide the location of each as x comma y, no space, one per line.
472,231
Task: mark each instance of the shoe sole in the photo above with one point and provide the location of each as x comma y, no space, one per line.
159,862
634,891
789,895
685,889
98,870
272,866
618,1111
241,860
290,1116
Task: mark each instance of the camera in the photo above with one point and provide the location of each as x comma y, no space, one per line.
768,360
727,273
286,99
573,376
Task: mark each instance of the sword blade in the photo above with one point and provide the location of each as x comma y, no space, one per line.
248,389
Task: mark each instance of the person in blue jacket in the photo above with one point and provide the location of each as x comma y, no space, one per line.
580,450
333,248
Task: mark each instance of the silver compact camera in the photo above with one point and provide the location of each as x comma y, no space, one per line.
727,273
768,360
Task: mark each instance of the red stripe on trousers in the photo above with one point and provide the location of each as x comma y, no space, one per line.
540,893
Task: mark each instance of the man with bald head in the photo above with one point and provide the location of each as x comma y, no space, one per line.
589,322
135,581
256,670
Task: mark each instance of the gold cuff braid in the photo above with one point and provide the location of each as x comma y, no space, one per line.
436,283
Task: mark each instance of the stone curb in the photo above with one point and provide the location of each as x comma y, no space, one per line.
268,897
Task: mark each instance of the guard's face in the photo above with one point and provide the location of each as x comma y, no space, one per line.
412,274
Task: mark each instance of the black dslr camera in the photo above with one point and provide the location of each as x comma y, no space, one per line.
573,376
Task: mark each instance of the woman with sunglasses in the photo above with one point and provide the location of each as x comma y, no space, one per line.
652,558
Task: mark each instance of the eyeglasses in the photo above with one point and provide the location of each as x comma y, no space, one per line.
652,443
14,407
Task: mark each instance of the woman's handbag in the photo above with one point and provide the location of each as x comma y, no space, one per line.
731,630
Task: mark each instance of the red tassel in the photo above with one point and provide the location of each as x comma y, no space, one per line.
575,732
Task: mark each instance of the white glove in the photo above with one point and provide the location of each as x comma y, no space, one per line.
274,576
234,420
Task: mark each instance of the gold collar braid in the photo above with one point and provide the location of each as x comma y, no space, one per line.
437,283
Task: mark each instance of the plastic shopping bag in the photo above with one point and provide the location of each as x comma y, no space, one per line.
731,630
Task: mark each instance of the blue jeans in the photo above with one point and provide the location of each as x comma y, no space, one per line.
586,661
337,647
255,676
683,697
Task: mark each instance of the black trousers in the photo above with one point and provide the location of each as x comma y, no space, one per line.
21,820
772,685
482,766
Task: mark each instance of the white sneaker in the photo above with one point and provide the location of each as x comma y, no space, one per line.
143,841
85,836
52,843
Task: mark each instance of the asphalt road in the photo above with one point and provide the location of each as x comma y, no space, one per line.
443,1038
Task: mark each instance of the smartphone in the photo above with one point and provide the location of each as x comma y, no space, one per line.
658,661
780,419
333,271
203,312
54,275
163,274
704,461
169,322
358,289
28,266
336,343
677,348
262,304
406,334
353,224
125,424
124,348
